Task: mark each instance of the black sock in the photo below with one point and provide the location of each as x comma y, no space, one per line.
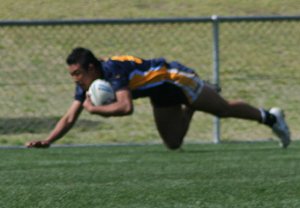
270,119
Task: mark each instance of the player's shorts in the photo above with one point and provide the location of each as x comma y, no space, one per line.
167,95
184,87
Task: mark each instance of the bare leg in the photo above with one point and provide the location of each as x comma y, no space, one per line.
172,124
211,102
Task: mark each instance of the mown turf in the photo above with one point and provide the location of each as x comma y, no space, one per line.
55,9
206,175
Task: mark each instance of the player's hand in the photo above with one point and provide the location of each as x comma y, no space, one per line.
87,104
38,144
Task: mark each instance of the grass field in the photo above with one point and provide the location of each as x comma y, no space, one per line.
232,175
55,9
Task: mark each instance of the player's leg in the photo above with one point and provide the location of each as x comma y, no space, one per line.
172,124
211,102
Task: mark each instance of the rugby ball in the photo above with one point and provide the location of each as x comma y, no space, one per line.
101,92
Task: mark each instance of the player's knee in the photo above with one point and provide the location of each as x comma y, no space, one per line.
172,137
174,145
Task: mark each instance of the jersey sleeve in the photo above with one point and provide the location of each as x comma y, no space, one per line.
79,93
118,75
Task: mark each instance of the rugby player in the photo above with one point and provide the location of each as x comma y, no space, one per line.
176,92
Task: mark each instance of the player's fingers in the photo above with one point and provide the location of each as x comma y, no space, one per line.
37,144
30,144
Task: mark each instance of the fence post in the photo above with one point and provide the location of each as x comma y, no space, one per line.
216,80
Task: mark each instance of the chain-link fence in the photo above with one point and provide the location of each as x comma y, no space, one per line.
257,62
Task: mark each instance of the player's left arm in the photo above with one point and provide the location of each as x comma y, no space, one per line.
121,107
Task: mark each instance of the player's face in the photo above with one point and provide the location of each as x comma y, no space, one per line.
80,76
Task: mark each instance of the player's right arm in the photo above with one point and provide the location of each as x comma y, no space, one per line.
62,126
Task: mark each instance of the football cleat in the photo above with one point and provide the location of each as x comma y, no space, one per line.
280,128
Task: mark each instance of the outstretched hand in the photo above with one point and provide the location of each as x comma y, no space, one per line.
38,144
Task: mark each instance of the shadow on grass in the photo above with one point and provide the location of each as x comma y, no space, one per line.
37,125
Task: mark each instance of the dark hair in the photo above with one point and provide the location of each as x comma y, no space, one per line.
82,56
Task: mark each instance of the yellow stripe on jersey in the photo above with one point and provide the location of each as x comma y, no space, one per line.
183,79
163,74
148,78
188,82
127,58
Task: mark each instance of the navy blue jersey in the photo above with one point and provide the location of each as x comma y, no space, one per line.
142,76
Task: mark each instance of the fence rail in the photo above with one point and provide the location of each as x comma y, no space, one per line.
147,20
255,58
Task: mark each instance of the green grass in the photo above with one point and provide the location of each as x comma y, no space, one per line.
227,175
55,9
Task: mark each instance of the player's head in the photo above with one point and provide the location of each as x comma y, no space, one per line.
83,66
82,56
